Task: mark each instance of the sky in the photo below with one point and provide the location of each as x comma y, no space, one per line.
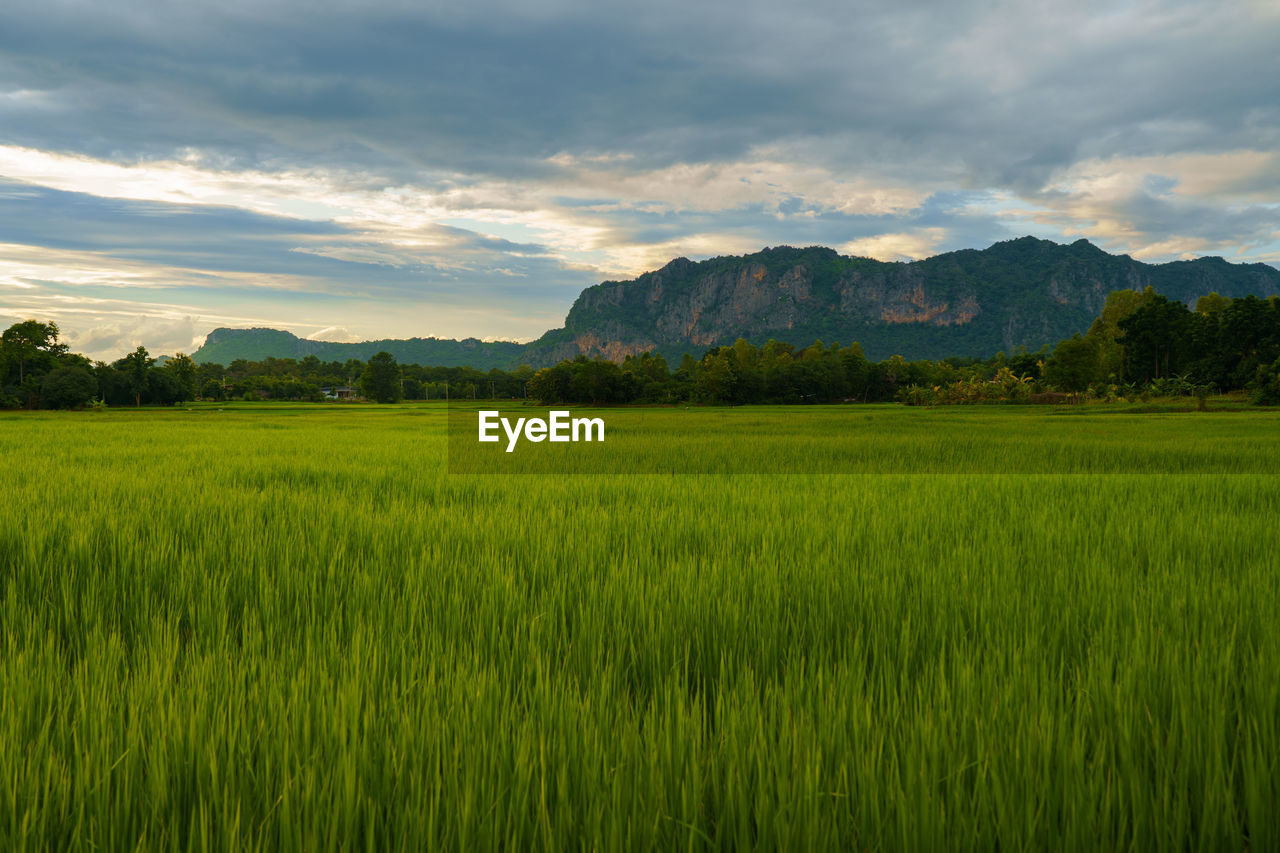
354,171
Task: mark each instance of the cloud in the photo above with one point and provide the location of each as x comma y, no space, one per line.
465,169
87,261
337,334
1157,207
159,336
907,246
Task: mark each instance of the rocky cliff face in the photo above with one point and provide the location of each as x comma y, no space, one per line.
883,297
1024,292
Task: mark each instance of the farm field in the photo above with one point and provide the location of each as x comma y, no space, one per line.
256,626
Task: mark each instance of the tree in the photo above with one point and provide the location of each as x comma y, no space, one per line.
647,376
1155,339
1266,385
163,387
183,370
854,362
381,379
353,370
135,366
716,378
26,341
1074,364
212,390
550,385
1105,331
1211,304
68,388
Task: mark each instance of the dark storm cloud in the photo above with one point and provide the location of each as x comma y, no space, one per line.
991,93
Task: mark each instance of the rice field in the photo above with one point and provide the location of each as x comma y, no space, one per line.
853,628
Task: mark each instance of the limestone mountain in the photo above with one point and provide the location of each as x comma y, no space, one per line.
1018,293
1023,292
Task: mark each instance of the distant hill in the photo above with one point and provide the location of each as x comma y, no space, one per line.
1023,292
224,346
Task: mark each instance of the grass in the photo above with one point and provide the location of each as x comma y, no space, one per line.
289,627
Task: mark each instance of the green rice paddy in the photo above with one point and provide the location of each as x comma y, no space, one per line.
291,628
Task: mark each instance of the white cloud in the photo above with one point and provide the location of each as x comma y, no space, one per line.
159,335
901,246
399,225
336,334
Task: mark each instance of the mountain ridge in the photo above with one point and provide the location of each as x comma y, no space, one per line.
1024,292
224,345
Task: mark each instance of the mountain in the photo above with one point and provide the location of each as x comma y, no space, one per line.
1024,292
224,346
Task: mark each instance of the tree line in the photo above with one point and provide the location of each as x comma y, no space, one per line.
1140,344
38,371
